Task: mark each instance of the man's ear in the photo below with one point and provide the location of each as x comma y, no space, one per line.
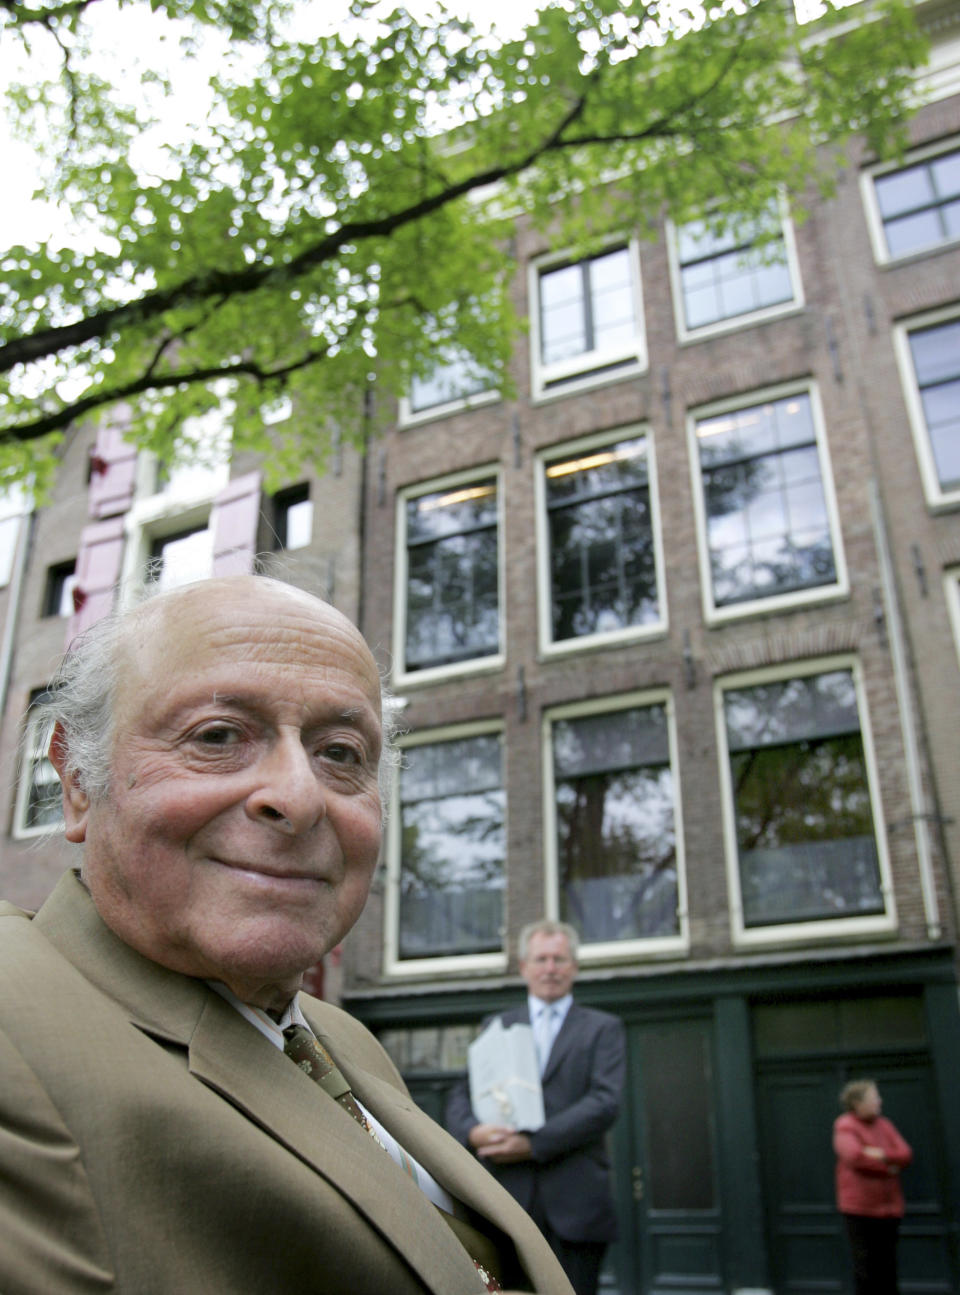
76,803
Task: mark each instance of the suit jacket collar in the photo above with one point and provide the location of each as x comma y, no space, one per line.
226,1053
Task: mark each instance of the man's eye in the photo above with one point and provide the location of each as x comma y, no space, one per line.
340,753
218,735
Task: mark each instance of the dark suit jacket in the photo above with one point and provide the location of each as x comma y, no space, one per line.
582,1089
153,1143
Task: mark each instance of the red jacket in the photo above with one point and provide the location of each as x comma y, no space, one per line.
867,1185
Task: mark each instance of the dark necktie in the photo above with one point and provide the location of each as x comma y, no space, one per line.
303,1047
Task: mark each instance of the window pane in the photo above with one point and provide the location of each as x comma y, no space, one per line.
452,585
602,557
180,559
455,379
805,835
723,276
616,838
768,529
677,1117
936,358
586,307
917,204
452,848
44,800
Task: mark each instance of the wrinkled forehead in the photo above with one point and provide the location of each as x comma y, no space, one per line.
232,629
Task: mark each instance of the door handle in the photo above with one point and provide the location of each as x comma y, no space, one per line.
637,1175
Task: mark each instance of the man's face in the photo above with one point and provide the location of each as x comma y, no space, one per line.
242,826
548,968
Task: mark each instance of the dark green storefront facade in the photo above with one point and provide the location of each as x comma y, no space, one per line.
722,1156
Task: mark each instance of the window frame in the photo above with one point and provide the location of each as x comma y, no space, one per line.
876,227
605,638
825,930
589,368
407,416
474,665
282,502
732,323
937,498
395,966
614,950
833,592
60,576
951,586
33,750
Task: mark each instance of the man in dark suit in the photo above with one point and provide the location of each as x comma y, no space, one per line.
560,1173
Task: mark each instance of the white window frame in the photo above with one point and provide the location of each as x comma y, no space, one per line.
475,665
951,586
937,498
875,225
407,416
398,967
734,322
836,591
591,368
613,950
34,749
830,930
627,633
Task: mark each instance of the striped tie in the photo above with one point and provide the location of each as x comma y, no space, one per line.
303,1047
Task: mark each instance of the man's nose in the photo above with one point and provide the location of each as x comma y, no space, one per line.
289,796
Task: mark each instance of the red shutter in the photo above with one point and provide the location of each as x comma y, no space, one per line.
113,464
233,521
98,569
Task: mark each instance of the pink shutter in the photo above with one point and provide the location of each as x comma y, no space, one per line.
233,521
98,569
113,463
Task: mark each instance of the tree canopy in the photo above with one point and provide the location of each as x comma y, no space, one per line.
344,210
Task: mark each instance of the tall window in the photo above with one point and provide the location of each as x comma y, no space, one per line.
734,274
588,318
600,537
454,379
930,356
919,205
766,509
181,558
451,541
58,594
292,517
806,839
614,803
39,800
450,873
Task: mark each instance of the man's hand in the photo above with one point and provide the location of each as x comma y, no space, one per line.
502,1145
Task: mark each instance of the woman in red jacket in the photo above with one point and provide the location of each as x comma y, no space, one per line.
870,1154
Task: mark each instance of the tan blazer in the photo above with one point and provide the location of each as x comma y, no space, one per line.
151,1141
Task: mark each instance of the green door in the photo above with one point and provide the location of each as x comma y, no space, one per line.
664,1149
807,1245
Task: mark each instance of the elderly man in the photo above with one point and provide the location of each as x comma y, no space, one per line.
160,1127
560,1174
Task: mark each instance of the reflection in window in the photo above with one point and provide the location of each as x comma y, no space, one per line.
805,834
181,558
40,801
616,834
452,811
453,378
603,572
920,204
768,531
723,276
452,609
936,362
587,308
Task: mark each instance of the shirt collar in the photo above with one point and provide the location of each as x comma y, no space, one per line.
261,1020
561,1006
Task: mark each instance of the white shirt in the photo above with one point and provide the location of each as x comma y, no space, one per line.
537,1007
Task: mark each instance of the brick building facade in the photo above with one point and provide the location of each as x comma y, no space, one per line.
675,635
